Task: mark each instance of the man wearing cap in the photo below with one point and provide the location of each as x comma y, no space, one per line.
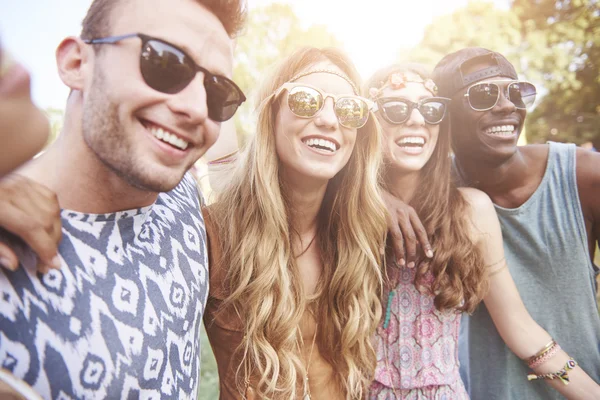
548,201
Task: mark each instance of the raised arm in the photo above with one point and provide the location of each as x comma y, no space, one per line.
520,332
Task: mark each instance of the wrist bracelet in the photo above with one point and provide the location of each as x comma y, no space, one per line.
563,374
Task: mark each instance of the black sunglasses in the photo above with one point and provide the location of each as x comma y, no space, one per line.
168,69
397,110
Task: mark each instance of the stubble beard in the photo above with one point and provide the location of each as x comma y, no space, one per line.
106,137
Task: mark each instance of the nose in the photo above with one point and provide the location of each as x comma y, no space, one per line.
416,118
326,118
191,103
504,105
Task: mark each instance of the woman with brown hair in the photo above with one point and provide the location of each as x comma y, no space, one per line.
417,339
295,238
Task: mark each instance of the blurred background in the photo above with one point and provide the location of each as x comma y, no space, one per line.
554,44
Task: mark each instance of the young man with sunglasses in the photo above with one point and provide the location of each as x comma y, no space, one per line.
548,201
150,84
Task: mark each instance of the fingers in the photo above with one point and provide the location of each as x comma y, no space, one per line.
31,212
396,237
410,239
421,234
408,233
8,259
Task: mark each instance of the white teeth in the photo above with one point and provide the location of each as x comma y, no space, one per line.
501,130
419,141
168,137
321,144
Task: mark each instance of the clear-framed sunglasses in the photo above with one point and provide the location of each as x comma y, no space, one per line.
484,96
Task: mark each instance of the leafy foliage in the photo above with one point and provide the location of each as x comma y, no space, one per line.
562,46
553,43
479,24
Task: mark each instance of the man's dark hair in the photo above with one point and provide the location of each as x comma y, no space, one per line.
231,13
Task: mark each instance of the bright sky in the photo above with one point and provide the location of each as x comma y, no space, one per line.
372,32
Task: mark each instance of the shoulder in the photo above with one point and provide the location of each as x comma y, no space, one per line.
481,213
588,183
588,167
478,201
536,153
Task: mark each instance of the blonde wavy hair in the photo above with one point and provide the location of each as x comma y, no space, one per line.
264,285
458,267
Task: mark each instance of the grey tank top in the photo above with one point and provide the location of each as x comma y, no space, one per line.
547,253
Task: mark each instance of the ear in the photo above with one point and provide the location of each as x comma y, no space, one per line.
74,61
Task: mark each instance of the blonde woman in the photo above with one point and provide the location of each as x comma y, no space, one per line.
294,241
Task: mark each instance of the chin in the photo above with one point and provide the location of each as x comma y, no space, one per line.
315,173
158,179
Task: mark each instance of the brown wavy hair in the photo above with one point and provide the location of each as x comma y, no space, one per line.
458,267
265,287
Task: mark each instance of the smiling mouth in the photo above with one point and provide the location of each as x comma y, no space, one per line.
411,142
167,137
321,144
501,130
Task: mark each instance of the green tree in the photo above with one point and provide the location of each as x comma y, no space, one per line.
479,24
272,32
561,48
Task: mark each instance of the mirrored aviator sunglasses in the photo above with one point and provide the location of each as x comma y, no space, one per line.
397,110
168,69
484,96
306,101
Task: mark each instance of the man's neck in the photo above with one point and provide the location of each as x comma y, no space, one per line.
81,181
508,183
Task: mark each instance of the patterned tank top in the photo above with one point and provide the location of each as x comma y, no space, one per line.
416,343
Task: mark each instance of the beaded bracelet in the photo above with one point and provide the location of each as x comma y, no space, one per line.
563,374
545,349
544,357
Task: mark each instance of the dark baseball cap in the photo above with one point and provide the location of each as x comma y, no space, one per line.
450,74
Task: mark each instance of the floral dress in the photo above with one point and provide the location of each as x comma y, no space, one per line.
417,352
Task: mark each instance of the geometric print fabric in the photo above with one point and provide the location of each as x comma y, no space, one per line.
417,354
121,318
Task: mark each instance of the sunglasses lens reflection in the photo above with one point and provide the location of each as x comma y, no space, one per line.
433,111
522,94
165,68
352,112
483,96
223,97
168,70
397,111
306,102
